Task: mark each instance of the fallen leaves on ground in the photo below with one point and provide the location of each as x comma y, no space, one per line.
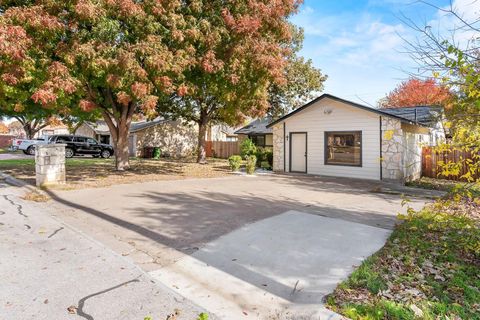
72,309
36,196
93,173
428,269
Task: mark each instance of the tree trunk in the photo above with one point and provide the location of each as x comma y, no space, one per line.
29,131
119,125
122,161
202,131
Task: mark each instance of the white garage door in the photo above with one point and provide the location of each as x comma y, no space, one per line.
298,152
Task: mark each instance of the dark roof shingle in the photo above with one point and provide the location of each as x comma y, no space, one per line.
424,115
258,126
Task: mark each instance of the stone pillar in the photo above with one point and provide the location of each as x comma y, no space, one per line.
50,164
392,149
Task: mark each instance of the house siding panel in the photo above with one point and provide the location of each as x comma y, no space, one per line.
174,139
85,130
331,115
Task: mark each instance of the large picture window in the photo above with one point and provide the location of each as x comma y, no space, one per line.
343,148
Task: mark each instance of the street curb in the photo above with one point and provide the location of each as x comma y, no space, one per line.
20,183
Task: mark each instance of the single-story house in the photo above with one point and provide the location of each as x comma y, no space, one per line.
336,137
174,138
97,130
53,129
258,131
221,132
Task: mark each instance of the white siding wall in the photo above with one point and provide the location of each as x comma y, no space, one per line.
316,119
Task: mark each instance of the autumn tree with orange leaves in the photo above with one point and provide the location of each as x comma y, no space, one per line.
416,92
33,83
238,50
213,60
114,57
3,128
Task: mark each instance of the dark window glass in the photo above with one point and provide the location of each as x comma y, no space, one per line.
258,140
343,148
105,139
80,139
64,139
91,141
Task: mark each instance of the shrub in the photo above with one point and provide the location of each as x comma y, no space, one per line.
251,163
261,154
265,165
269,156
247,148
235,162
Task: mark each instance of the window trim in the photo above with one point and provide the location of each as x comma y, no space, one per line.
325,148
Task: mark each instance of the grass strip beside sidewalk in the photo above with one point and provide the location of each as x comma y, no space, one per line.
428,269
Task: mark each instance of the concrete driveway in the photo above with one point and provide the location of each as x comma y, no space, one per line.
276,244
50,270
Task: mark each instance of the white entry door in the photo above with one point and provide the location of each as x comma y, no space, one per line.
298,152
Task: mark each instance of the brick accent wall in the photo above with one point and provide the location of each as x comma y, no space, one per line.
6,140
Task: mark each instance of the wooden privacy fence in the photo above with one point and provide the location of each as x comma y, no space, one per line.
432,159
222,149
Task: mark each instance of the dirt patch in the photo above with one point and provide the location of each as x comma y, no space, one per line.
35,196
92,173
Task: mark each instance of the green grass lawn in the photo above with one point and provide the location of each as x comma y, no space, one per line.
4,150
69,162
428,269
96,172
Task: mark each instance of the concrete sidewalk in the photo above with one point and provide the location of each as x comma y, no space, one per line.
52,271
278,268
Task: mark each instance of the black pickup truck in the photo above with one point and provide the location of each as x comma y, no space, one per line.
80,145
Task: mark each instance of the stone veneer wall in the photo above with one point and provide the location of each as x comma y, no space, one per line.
392,149
174,139
278,147
85,130
50,164
402,150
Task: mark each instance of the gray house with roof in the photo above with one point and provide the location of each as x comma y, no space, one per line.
335,137
258,132
174,138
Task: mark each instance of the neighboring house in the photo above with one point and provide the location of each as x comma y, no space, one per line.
15,128
258,132
335,137
221,132
172,137
97,130
51,130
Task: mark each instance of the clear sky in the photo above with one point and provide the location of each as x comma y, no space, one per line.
359,45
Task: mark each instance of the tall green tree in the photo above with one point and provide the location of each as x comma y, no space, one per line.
303,81
239,49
